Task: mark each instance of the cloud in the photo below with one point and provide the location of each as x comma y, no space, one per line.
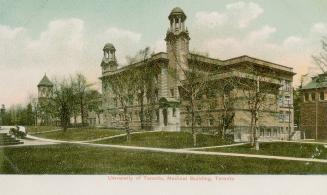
62,49
293,51
159,46
114,34
320,28
125,41
240,14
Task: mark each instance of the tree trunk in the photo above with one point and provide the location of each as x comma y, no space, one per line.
252,127
194,140
193,122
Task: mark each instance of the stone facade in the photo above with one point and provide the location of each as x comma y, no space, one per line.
168,109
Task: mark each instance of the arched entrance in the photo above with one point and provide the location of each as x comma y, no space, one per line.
165,117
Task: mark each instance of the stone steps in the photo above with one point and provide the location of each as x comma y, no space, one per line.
6,139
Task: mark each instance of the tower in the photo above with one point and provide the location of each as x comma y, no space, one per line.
177,42
44,87
109,62
177,45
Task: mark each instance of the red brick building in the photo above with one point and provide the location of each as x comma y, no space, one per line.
314,108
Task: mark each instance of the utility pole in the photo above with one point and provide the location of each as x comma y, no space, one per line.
316,112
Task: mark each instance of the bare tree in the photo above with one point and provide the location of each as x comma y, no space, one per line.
228,100
321,58
191,87
123,87
260,94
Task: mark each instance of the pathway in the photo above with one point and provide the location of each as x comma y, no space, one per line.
185,151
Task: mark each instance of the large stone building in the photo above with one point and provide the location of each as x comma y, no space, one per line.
166,106
314,108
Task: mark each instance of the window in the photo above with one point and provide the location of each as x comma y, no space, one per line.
287,101
262,131
287,116
306,97
322,95
174,112
172,94
187,122
130,116
212,105
268,132
281,116
130,100
198,121
211,121
157,114
211,93
313,96
116,102
188,108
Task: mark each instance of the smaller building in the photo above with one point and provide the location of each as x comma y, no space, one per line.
45,89
314,108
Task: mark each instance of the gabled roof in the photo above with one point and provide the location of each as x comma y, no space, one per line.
45,82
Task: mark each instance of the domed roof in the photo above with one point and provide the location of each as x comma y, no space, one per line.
177,11
109,46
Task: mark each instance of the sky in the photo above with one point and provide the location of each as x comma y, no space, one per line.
62,38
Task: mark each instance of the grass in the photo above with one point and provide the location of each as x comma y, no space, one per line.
166,140
36,129
76,159
302,150
80,134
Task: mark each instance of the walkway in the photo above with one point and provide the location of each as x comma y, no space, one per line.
184,151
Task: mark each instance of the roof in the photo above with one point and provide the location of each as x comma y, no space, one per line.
319,81
177,11
164,56
45,82
109,46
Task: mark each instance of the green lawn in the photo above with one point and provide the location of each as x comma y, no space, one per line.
166,140
35,129
75,159
301,150
80,134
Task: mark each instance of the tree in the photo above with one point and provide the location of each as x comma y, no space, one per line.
124,87
35,107
228,100
93,99
260,91
80,88
192,84
29,115
63,101
321,58
144,81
